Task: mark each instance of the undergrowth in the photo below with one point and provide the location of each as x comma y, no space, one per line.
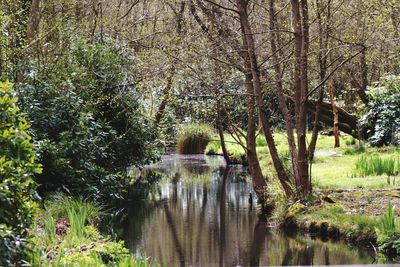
66,235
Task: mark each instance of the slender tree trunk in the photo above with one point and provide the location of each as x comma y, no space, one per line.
221,136
364,77
279,87
168,87
31,30
254,70
335,113
165,96
323,42
300,24
259,182
33,25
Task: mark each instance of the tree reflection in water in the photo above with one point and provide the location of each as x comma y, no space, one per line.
201,216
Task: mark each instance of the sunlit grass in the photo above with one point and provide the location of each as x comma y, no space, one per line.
327,172
375,165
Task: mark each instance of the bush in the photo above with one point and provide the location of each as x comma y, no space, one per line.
89,126
193,138
17,166
382,117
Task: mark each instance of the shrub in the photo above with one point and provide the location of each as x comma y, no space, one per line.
193,138
382,117
17,166
89,126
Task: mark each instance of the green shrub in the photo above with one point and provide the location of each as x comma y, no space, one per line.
193,138
88,127
382,117
17,166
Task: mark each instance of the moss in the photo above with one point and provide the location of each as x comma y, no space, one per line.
295,209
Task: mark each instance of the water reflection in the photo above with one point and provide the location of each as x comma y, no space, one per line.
199,214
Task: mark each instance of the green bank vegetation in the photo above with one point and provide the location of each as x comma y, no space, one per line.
66,234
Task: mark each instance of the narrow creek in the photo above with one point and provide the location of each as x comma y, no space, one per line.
198,214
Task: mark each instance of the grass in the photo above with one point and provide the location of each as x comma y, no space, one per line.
193,138
80,243
388,222
327,172
376,165
60,206
334,219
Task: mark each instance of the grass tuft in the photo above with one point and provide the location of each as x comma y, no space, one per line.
375,165
193,138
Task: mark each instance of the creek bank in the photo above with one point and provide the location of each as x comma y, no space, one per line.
355,216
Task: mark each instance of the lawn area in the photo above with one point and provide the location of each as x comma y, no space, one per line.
328,172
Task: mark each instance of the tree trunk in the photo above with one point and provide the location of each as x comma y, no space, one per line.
259,182
221,136
168,87
300,24
279,88
335,113
33,24
254,72
165,96
323,56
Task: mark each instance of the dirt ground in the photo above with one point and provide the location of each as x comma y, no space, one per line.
365,202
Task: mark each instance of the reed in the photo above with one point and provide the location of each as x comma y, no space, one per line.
388,222
49,229
375,165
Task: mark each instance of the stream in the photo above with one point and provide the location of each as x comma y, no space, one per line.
199,214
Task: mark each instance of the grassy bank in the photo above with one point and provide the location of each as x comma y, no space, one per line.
66,234
335,169
353,186
364,218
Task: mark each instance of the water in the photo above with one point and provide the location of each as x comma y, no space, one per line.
199,214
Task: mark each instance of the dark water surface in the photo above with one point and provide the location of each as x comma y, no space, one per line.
199,214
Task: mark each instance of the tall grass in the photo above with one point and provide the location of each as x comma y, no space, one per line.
60,206
375,165
49,229
193,138
77,217
388,222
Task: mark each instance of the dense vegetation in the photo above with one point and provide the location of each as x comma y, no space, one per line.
98,88
17,189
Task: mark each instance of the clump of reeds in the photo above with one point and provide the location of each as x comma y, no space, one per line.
388,222
193,139
375,165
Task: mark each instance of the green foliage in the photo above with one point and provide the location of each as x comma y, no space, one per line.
88,125
49,229
388,222
193,138
14,16
388,232
383,112
60,206
17,166
82,245
375,165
